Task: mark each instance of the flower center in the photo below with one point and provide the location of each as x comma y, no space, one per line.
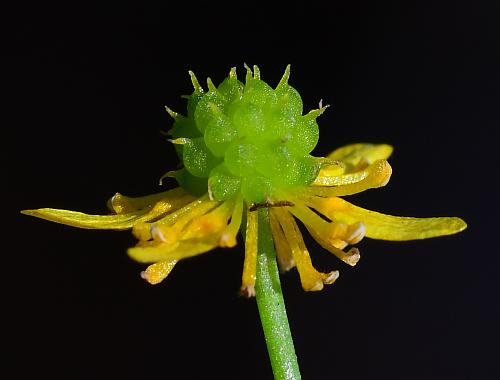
247,138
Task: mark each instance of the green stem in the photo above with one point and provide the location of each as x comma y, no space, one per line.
272,306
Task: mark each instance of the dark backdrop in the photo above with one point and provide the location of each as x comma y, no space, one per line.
86,86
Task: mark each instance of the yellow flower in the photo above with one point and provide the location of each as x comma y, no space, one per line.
174,225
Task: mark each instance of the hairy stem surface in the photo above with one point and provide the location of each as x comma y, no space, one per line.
272,306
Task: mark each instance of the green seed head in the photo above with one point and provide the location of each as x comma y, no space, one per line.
245,137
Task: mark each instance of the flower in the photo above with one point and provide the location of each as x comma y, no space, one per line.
245,147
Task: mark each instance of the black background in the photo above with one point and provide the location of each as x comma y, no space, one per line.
86,86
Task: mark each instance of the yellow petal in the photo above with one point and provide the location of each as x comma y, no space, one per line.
250,264
113,222
176,251
121,204
388,227
173,223
331,168
157,272
194,209
375,175
352,154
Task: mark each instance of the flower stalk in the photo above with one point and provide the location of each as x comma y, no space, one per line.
272,306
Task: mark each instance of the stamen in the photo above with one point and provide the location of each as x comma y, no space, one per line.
142,231
247,291
120,204
157,234
327,278
350,257
331,277
192,233
193,209
356,232
179,217
330,230
157,272
210,223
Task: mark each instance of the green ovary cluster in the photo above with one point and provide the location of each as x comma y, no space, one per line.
247,138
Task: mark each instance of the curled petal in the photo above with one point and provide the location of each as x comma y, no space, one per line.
354,154
330,168
387,227
326,178
375,175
